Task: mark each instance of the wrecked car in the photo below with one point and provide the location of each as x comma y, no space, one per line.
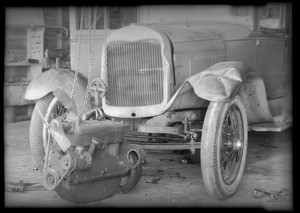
164,86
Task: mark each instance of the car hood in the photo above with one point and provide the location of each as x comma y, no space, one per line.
202,31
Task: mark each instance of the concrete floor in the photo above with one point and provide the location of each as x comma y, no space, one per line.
269,166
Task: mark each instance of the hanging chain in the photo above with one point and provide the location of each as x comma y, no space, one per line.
78,52
105,51
64,116
92,29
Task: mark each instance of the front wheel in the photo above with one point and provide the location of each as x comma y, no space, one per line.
51,108
224,147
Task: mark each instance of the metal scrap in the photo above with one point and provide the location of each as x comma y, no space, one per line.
281,195
17,187
154,180
186,160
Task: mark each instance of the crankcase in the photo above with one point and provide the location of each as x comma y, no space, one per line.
103,178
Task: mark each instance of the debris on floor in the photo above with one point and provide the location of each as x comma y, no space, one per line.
186,160
20,186
154,175
33,168
154,180
21,164
272,171
281,195
13,188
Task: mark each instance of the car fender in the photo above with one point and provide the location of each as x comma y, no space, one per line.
220,83
52,79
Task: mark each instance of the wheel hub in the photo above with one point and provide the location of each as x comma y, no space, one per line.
237,145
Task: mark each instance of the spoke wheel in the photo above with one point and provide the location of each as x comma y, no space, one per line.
51,108
231,149
224,147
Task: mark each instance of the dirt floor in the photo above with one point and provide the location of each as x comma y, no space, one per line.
269,166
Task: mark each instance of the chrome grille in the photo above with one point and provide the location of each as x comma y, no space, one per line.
135,73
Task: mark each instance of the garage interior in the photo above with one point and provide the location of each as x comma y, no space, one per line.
40,40
35,40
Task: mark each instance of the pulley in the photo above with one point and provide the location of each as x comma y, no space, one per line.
50,179
97,89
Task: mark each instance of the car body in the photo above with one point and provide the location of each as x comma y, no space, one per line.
187,85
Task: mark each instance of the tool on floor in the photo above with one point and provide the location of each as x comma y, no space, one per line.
281,195
17,187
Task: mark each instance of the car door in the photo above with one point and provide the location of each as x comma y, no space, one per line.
273,53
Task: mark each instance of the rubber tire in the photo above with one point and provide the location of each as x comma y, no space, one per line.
210,142
36,131
134,177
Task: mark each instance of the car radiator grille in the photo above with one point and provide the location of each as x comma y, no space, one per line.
135,74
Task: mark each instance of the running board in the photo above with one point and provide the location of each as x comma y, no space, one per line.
280,124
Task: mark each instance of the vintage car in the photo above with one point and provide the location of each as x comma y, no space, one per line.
164,86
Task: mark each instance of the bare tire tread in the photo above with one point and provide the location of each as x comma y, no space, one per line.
36,130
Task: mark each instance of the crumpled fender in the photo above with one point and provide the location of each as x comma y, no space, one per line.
52,79
220,82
